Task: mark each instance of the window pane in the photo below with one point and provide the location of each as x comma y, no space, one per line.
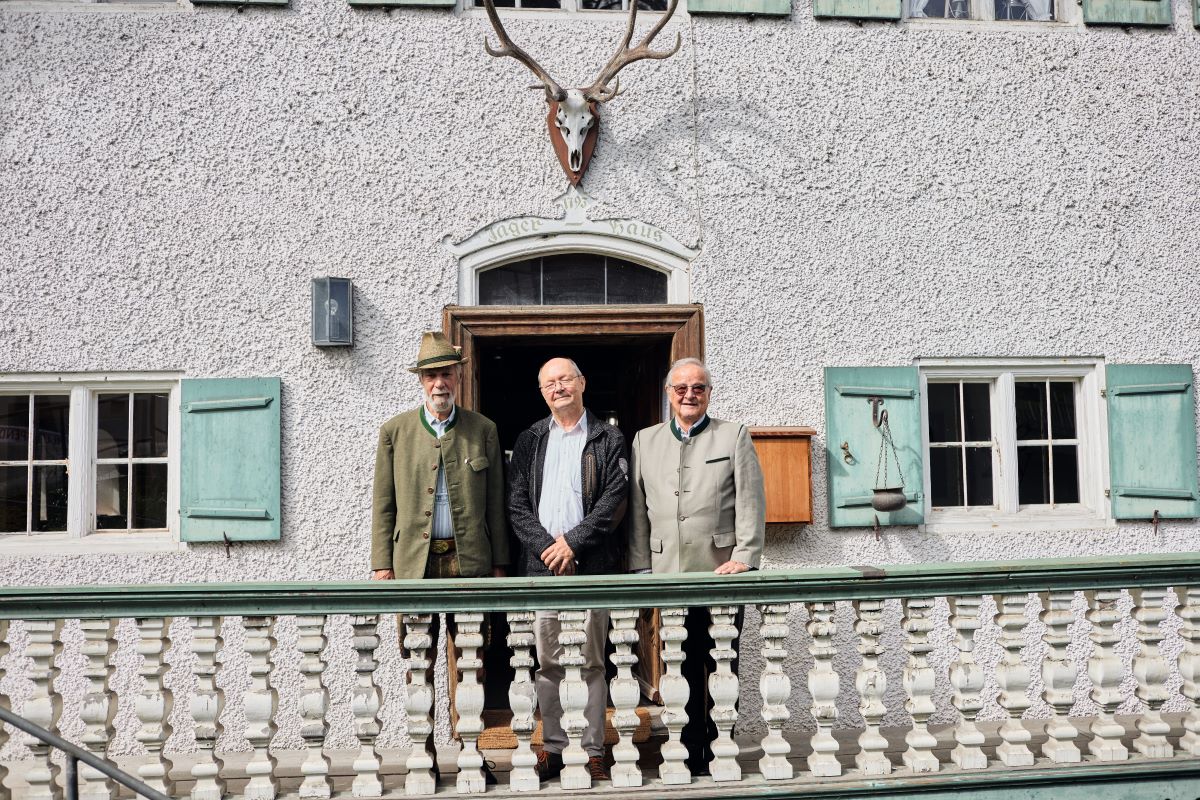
112,496
112,426
149,495
149,425
1040,10
1031,410
12,499
950,9
51,414
14,430
1033,475
945,476
633,283
977,411
50,498
518,284
979,476
572,280
1062,410
943,413
1066,473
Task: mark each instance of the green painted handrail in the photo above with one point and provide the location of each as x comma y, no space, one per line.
612,591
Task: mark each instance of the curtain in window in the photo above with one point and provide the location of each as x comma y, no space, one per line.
915,8
1039,9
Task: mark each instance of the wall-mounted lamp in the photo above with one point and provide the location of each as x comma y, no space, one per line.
332,312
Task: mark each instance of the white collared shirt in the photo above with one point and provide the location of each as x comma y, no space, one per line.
685,435
443,524
560,507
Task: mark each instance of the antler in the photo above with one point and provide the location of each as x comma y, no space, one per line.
599,90
509,48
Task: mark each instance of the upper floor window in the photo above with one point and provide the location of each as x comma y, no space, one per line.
83,457
577,5
572,279
1003,10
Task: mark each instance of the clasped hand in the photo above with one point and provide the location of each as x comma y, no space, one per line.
559,558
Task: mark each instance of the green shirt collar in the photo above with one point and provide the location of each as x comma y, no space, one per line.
427,419
696,430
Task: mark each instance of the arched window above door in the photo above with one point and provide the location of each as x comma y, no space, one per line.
568,279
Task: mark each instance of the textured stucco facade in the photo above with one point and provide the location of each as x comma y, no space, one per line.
170,180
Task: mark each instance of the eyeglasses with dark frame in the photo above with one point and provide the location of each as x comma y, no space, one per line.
681,389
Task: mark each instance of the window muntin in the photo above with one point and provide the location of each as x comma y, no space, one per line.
34,430
1051,473
131,461
572,279
996,10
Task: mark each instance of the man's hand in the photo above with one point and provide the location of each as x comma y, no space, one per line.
731,568
383,575
499,572
558,555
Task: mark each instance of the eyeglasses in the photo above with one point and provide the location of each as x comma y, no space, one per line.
681,389
566,383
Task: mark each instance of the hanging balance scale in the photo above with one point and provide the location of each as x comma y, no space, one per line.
886,497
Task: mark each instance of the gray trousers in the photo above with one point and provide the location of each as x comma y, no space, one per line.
550,675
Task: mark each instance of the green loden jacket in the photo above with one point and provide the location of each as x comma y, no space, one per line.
406,464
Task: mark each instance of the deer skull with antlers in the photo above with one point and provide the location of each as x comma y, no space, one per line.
574,113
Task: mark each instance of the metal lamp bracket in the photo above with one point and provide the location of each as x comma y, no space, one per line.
877,417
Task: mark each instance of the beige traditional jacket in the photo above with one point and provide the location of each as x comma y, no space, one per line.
406,468
695,503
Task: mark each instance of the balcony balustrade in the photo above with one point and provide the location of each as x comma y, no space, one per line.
779,742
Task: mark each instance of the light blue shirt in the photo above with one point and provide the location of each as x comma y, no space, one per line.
561,506
443,523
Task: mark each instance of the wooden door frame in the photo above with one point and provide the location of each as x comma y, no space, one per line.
464,326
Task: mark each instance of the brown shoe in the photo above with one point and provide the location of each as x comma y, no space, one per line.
549,765
597,769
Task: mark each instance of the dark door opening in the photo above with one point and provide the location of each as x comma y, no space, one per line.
624,379
624,387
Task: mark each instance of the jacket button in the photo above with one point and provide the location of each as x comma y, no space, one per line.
677,494
430,514
435,466
437,445
682,517
431,490
426,536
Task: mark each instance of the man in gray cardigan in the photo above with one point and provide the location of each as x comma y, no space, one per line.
567,493
696,505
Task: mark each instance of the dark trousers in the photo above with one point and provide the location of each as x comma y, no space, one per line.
698,664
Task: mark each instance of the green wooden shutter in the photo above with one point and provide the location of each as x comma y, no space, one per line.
857,9
229,471
1127,12
1152,440
769,8
848,420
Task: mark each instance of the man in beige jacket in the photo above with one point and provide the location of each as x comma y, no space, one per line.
696,504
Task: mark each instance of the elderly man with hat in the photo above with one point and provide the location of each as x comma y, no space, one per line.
438,505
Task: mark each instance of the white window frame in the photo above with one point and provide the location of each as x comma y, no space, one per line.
1093,509
96,6
1067,14
569,7
81,536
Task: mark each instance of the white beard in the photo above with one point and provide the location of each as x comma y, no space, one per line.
439,405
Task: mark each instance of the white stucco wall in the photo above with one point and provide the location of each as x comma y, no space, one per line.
169,182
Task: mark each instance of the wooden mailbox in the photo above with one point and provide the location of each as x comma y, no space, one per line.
784,454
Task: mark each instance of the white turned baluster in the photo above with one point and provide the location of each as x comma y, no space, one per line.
1013,677
364,703
1151,670
967,679
573,695
776,688
99,703
625,693
1189,666
522,697
43,707
673,688
823,685
1105,670
723,688
260,702
918,685
155,703
5,791
207,703
871,683
469,702
419,764
314,702
1058,675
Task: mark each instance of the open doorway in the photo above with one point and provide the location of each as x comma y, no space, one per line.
624,379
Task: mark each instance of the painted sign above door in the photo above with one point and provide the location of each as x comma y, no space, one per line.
574,114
